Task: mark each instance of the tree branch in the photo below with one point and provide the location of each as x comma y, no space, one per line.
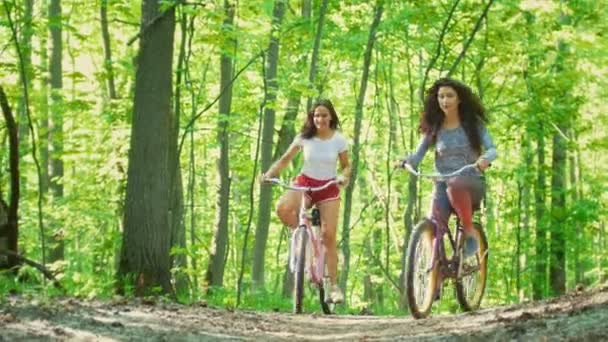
444,30
45,271
191,122
470,40
152,22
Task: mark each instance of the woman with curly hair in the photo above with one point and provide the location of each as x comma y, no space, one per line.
454,123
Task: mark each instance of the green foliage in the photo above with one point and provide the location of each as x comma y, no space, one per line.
516,63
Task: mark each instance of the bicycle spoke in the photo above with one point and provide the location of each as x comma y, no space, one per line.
472,276
469,278
421,276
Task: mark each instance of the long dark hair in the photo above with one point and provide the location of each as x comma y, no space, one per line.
470,111
309,129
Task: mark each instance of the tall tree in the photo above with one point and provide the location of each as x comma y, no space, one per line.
43,105
563,106
217,263
348,197
26,51
287,131
409,214
9,232
261,233
312,72
536,128
56,122
107,49
178,228
147,228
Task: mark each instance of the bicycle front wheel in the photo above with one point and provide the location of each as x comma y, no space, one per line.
301,236
421,275
472,273
328,308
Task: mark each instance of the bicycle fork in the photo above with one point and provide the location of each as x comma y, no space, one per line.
314,247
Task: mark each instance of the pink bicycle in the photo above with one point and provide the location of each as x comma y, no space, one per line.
307,251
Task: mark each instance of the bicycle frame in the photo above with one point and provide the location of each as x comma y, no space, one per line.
441,229
316,267
424,280
439,253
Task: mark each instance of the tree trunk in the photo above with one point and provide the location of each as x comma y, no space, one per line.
527,180
578,227
540,278
217,262
557,260
409,215
26,52
356,146
9,221
107,49
535,128
178,228
564,108
312,72
261,233
147,225
288,133
43,105
56,124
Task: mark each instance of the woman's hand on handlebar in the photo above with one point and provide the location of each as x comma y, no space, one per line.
400,164
482,164
342,181
264,178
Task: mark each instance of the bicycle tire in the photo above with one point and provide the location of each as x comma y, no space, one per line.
298,295
328,308
469,297
416,269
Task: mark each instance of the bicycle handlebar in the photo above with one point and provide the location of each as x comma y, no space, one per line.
277,181
439,176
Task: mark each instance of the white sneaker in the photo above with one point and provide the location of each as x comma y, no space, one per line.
335,296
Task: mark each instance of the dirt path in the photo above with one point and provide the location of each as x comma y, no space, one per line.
580,316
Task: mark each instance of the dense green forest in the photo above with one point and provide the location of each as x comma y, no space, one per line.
142,128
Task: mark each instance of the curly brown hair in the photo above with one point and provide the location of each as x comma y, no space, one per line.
470,111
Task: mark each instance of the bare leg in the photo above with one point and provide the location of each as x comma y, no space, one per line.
288,207
329,220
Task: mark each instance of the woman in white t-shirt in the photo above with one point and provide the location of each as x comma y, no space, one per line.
322,146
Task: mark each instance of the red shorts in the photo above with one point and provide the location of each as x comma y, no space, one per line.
330,193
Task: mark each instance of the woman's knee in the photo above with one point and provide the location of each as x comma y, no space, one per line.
284,211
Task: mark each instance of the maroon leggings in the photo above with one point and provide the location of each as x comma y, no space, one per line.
461,195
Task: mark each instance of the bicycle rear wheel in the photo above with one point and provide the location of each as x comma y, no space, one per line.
472,273
421,276
301,236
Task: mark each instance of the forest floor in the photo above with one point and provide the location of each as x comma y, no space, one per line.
581,315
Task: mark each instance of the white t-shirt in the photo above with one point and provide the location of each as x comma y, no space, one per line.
321,156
